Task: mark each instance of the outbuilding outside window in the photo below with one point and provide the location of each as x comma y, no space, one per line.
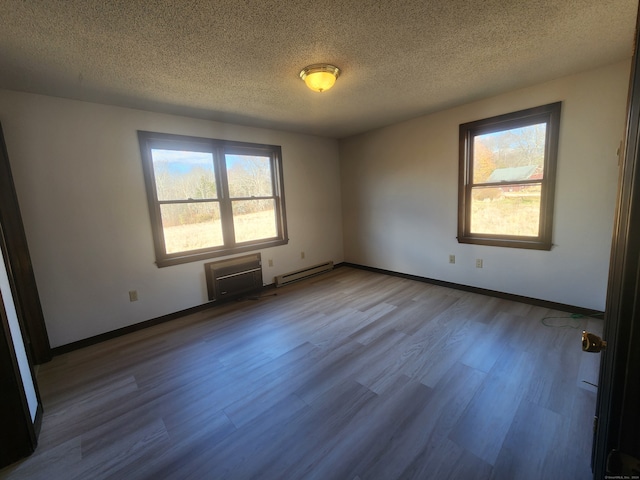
507,178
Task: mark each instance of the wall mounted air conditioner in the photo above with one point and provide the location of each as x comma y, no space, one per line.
233,277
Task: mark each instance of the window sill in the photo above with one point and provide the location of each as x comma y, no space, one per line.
186,257
507,242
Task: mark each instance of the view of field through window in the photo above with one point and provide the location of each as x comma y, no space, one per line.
191,205
513,159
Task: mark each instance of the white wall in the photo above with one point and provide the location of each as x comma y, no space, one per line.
400,187
78,175
16,338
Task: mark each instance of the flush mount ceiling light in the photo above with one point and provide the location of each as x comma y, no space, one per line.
320,76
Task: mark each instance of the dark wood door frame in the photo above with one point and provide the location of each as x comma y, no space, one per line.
618,403
19,434
19,267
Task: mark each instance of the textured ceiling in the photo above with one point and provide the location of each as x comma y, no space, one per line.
238,61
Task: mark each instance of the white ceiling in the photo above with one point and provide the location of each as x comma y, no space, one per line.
238,60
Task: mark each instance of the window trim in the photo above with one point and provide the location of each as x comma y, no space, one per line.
549,114
218,148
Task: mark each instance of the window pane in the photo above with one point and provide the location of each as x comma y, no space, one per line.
191,226
254,219
182,175
249,176
506,210
509,155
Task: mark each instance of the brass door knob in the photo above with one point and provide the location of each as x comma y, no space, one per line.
592,342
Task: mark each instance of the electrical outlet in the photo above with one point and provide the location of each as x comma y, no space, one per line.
270,263
133,295
302,255
452,259
478,263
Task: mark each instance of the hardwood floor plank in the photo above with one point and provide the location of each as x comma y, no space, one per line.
484,311
348,375
339,364
527,452
424,430
104,457
445,352
200,420
291,455
416,314
368,433
225,458
383,363
578,439
338,326
487,345
448,461
66,421
56,461
554,375
485,424
381,323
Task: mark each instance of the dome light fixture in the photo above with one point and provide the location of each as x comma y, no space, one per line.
320,77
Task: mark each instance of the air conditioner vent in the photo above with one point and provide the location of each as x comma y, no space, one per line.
233,277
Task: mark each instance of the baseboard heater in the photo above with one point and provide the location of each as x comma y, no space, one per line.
233,277
287,278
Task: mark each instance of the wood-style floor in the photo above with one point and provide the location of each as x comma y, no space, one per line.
349,375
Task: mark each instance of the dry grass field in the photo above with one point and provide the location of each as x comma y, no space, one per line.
251,226
508,215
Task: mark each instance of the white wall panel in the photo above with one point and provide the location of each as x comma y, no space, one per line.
400,194
79,180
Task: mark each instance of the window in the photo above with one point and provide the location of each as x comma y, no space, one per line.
209,198
507,178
